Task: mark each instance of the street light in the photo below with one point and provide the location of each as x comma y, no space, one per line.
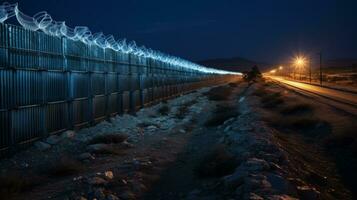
299,62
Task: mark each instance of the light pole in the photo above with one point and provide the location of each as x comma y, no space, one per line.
309,63
299,64
320,54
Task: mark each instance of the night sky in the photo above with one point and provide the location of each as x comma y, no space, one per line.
269,31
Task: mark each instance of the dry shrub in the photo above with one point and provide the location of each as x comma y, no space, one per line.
220,93
260,92
218,162
272,100
109,149
144,124
164,110
182,111
302,123
269,99
65,166
220,115
296,109
109,138
233,84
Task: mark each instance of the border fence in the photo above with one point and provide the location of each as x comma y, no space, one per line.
51,84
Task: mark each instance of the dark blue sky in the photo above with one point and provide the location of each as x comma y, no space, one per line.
260,30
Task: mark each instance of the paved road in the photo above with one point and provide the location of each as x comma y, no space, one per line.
340,99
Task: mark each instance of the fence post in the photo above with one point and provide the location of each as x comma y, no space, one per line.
131,93
106,92
43,73
67,72
11,100
89,72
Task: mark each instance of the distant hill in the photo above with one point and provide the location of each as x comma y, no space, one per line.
233,64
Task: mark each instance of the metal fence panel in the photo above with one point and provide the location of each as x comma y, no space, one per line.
80,111
114,103
98,83
56,117
79,82
5,133
50,84
6,85
99,106
55,86
27,123
27,88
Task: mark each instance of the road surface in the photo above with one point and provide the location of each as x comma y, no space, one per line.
344,100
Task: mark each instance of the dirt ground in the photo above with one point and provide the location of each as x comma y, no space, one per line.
322,141
214,143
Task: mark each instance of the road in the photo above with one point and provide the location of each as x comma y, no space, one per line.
346,101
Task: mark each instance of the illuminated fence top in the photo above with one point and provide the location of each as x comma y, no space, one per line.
43,21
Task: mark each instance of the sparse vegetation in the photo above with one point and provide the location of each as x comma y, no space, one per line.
108,149
182,111
220,115
233,84
272,100
301,123
164,110
220,93
144,124
298,108
261,91
269,99
295,116
64,167
109,138
219,162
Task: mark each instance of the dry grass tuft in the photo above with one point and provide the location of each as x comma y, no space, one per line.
220,115
297,109
296,122
219,162
272,100
269,99
164,110
260,91
182,111
233,84
109,138
109,149
220,93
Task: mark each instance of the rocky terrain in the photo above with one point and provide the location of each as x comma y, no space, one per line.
208,144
